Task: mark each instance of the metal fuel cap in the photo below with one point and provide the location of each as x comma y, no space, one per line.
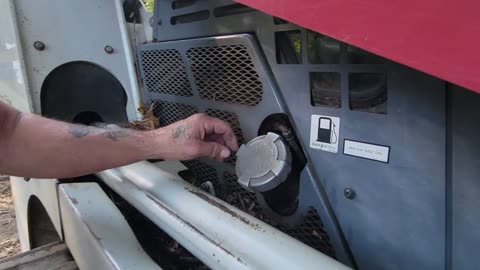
263,163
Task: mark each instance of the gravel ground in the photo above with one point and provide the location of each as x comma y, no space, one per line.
9,244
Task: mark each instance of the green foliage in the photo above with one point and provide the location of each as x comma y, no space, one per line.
148,4
297,44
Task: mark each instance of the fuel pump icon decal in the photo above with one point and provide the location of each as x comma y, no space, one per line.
324,132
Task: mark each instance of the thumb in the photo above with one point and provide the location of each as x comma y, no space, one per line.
213,150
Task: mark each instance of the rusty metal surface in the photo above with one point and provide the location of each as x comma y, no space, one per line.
219,234
96,232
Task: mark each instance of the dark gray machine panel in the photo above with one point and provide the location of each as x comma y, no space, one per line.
463,179
227,77
397,218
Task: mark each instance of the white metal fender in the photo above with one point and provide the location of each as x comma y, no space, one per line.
220,235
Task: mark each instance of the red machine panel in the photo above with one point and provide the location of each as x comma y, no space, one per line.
439,37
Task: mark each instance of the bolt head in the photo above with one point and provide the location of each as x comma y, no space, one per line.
108,49
349,193
39,46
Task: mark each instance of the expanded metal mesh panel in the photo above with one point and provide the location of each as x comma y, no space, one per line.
237,196
170,112
229,70
310,231
230,118
202,172
231,160
165,73
226,73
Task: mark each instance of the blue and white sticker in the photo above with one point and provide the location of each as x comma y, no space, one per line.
324,132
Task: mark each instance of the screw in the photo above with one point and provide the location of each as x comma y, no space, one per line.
349,193
108,49
39,46
159,22
150,21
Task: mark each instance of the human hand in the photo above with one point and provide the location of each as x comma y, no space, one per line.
200,136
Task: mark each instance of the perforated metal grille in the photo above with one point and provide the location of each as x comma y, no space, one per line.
310,231
202,172
230,118
170,112
226,73
165,72
239,197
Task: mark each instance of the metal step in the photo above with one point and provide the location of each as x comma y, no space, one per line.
54,256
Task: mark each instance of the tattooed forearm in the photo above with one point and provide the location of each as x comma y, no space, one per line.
115,134
181,132
111,132
78,131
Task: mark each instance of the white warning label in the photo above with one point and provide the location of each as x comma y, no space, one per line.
324,133
367,150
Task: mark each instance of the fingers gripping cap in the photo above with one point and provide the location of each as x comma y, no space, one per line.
263,163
